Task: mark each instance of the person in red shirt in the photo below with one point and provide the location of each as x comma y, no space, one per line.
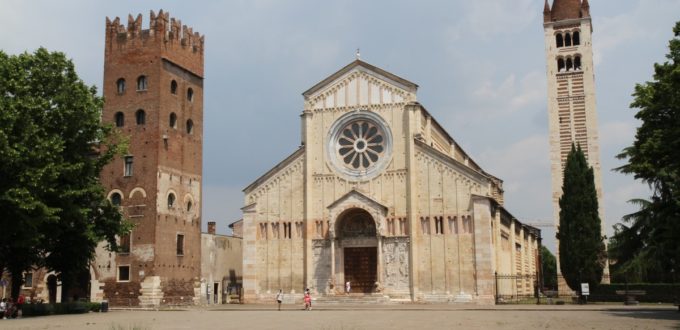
308,301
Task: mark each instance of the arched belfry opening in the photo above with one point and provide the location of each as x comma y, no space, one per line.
357,238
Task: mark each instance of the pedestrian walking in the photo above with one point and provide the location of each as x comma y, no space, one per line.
348,287
279,298
308,301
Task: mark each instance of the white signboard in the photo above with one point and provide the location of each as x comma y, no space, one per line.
585,289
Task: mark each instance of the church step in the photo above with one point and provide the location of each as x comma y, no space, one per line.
352,299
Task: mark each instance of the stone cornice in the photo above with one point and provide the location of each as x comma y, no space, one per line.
478,176
401,82
278,167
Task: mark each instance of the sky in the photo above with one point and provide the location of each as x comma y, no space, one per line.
480,66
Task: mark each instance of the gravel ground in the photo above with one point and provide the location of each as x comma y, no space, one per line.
366,317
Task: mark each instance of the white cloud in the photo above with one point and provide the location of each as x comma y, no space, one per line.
616,134
510,95
519,162
628,29
487,18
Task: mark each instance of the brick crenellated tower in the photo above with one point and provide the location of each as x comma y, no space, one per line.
572,114
153,89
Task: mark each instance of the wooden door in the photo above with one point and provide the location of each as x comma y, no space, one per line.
361,268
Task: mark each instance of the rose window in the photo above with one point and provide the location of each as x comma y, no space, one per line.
359,144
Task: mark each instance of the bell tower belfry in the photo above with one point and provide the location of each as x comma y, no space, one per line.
572,114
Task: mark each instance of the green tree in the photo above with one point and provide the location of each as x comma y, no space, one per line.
653,237
581,244
53,146
548,268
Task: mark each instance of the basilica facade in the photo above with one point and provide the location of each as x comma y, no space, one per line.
381,196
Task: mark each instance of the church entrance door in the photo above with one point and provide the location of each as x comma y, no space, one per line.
361,264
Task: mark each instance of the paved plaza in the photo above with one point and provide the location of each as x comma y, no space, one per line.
368,317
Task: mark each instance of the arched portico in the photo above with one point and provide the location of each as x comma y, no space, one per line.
355,232
358,249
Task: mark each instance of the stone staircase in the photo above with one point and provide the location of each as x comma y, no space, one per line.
352,299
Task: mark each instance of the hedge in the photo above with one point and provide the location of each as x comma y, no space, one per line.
78,307
654,293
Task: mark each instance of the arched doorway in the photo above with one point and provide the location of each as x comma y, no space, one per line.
356,233
52,288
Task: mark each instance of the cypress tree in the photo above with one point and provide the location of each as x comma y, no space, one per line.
581,244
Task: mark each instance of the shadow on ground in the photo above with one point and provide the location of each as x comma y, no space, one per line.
671,315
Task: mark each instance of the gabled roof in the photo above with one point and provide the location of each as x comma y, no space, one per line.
360,195
361,64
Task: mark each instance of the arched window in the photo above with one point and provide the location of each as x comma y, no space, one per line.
570,65
171,200
120,119
173,87
560,65
190,126
120,86
577,38
189,205
116,199
567,40
577,63
560,41
173,120
141,117
141,83
190,95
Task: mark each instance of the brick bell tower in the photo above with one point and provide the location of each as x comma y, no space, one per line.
153,89
572,114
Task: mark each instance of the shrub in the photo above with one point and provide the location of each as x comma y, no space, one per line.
654,292
60,308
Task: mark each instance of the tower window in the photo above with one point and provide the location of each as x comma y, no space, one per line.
120,86
28,280
559,40
119,118
567,40
180,244
189,205
141,117
173,87
577,63
116,199
127,171
570,64
171,200
560,65
576,38
124,246
141,83
123,273
190,95
173,120
190,126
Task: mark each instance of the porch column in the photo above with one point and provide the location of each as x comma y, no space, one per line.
380,260
333,279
